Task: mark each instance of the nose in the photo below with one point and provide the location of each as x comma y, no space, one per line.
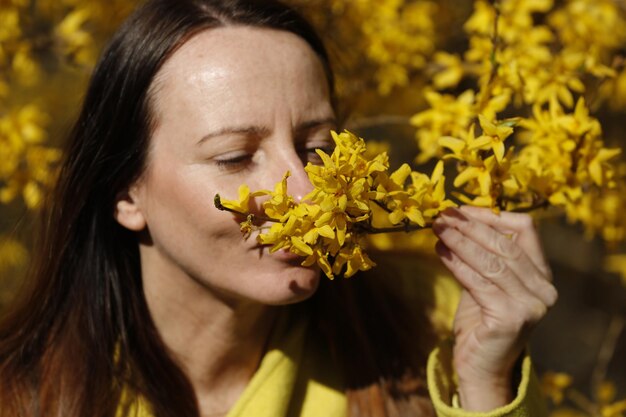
287,159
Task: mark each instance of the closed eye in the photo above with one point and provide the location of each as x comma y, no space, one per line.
235,163
310,155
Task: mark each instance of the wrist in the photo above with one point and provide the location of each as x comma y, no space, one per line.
483,396
485,388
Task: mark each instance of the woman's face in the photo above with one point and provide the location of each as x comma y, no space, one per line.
233,105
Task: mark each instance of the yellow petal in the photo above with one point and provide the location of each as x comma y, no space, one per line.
466,175
454,144
401,174
484,179
326,231
300,247
396,216
498,150
437,172
481,142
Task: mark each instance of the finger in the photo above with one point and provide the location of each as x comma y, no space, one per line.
494,302
523,230
487,264
507,249
483,291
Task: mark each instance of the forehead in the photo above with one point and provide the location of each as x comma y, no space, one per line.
234,65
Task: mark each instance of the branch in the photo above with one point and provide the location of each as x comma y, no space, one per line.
376,121
537,206
583,403
382,206
254,218
393,229
495,65
607,350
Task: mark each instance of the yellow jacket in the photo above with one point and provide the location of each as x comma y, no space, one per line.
287,383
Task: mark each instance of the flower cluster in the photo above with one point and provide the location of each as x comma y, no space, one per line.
47,49
26,165
329,225
559,387
396,38
38,42
553,152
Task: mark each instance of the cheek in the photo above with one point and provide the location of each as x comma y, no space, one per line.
179,209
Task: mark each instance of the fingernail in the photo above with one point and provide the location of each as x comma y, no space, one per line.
439,226
455,213
443,251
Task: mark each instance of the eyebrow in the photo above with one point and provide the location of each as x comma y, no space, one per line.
243,130
315,123
263,131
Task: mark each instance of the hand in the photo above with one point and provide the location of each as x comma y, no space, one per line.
497,259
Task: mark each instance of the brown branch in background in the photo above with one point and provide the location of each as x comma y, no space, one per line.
594,97
606,352
540,205
583,403
496,42
393,229
495,65
622,4
381,205
576,154
378,121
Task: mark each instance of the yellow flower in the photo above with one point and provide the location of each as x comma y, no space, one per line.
451,71
354,259
279,202
241,205
493,137
617,409
606,392
12,254
77,44
322,225
598,167
554,384
420,201
479,173
24,66
10,28
616,264
447,115
567,412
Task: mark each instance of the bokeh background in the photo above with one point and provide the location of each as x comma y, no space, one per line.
387,54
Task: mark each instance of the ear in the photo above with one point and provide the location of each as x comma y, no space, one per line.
128,213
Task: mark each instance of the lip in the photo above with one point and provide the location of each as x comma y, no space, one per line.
283,255
287,256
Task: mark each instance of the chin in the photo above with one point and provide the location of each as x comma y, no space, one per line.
300,284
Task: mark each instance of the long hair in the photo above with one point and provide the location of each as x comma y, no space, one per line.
80,335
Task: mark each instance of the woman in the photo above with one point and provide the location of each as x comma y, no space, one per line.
145,299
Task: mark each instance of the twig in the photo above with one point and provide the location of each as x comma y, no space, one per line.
537,206
254,218
382,206
582,402
621,3
607,351
406,228
594,97
495,65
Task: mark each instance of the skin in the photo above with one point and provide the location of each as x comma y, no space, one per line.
234,105
240,105
506,291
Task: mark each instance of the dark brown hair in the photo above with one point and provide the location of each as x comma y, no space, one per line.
81,331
